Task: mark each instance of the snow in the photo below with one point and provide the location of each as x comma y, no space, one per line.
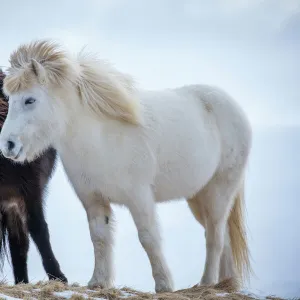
68,294
222,294
246,293
126,295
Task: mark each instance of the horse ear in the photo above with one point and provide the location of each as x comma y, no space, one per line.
39,71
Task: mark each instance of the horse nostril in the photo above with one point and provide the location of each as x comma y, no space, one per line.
10,145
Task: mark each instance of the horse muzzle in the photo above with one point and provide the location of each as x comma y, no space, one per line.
11,148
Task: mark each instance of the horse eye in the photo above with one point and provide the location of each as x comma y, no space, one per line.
29,101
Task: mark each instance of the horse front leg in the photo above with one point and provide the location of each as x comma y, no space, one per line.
143,210
18,240
100,215
39,232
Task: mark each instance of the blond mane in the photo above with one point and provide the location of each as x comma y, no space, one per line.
103,89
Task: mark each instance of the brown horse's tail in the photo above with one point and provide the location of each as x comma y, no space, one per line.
238,238
3,239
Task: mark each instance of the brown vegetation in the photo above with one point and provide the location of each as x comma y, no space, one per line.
54,290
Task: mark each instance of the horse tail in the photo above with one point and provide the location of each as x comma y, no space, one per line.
238,238
3,238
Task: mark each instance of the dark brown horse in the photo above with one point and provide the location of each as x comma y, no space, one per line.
22,188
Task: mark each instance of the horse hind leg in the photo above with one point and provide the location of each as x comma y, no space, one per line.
227,266
227,269
211,207
214,232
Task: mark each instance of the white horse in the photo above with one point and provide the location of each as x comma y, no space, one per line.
120,145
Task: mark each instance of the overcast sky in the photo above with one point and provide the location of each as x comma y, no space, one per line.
249,48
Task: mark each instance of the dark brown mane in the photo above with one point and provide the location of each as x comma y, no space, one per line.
3,101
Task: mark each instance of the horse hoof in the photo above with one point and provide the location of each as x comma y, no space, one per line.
60,277
163,287
95,283
199,284
207,283
63,278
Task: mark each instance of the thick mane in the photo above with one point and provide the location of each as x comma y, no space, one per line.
40,61
107,91
102,89
3,101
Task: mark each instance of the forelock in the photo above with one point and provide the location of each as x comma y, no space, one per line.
22,74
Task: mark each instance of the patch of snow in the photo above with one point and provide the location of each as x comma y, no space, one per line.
68,294
246,293
126,295
222,294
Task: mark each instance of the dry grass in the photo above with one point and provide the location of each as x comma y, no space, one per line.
56,290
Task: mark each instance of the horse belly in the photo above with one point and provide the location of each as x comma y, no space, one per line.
187,167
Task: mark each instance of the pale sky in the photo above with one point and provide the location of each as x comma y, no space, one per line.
249,48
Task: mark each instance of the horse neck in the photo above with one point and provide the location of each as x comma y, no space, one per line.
79,122
69,111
